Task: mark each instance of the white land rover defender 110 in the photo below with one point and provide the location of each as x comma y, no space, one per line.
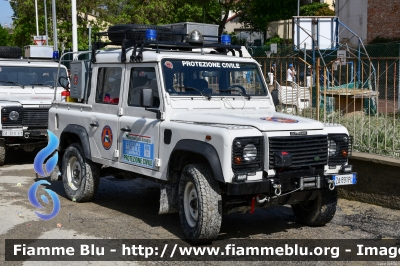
202,124
26,92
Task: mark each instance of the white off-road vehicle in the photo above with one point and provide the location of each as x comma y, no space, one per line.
196,117
26,92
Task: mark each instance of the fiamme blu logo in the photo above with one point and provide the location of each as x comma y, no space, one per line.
44,163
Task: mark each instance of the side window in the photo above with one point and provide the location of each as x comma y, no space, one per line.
142,77
108,85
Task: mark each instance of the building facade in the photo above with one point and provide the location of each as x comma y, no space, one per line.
369,19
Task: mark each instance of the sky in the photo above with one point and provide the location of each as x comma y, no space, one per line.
6,13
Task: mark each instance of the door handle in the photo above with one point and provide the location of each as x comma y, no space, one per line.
94,124
126,129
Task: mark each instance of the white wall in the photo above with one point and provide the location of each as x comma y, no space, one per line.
329,2
236,27
282,27
354,14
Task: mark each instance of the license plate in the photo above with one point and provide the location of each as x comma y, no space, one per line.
17,133
348,179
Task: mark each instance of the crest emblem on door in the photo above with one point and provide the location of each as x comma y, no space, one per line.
106,137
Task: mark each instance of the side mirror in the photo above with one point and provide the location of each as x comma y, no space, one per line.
146,97
64,82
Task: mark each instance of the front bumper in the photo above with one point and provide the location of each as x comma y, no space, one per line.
290,182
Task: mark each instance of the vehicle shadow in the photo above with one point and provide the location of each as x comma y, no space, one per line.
19,156
139,198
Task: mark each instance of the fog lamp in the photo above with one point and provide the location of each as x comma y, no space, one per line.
241,177
347,168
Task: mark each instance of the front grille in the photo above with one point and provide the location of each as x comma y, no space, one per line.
305,150
237,152
35,117
29,117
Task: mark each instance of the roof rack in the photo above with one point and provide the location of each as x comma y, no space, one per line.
139,45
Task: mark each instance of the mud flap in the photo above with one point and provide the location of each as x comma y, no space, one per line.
55,175
168,198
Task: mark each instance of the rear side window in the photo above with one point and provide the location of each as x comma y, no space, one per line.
108,85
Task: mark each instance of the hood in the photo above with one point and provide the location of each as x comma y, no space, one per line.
27,99
262,120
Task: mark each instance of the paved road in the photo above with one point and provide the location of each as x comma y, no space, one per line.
128,209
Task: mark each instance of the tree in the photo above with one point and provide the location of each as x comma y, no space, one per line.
25,22
256,14
4,36
138,11
84,11
217,12
160,12
316,9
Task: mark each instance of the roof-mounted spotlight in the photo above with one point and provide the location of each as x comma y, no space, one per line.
195,36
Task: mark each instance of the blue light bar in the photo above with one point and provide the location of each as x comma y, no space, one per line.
55,55
226,39
151,35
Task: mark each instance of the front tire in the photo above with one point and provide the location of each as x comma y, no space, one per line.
319,211
80,176
3,150
200,206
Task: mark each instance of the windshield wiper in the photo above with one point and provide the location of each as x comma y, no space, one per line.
242,93
13,82
200,91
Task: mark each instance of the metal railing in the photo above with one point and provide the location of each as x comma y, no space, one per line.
362,94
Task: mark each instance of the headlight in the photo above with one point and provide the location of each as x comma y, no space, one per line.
332,147
339,149
249,152
14,115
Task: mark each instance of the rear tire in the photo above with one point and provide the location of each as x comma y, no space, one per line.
319,211
137,32
80,176
200,206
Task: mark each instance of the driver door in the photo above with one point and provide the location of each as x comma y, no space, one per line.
139,126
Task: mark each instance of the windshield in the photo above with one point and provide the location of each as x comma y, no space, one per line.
212,78
27,76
